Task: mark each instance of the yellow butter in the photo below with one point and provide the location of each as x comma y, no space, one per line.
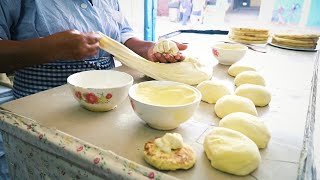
165,96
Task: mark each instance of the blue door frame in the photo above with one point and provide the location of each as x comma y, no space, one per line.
150,14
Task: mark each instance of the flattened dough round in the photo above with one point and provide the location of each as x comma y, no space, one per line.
259,95
211,91
248,125
166,46
236,69
232,103
182,158
232,152
249,77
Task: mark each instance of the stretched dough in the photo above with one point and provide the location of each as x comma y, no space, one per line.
166,46
248,125
232,103
259,95
189,71
211,91
249,77
236,69
231,151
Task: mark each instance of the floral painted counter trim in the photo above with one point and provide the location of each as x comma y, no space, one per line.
37,152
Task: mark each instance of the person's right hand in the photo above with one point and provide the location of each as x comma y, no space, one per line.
73,45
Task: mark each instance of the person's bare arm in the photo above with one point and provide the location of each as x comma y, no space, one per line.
71,45
145,49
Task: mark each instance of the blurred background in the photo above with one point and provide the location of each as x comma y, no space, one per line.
153,18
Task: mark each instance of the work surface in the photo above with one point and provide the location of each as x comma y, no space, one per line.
288,76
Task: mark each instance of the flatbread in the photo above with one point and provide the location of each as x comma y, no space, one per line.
297,35
239,33
311,46
248,37
248,41
242,29
294,41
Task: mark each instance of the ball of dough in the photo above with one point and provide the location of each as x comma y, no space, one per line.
231,103
211,91
236,69
249,77
166,46
231,151
259,95
248,125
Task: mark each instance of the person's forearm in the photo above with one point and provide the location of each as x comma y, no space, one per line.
18,54
139,46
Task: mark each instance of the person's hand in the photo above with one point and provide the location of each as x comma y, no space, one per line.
73,45
167,58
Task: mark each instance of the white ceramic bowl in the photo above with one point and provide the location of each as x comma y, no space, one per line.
227,53
163,117
100,90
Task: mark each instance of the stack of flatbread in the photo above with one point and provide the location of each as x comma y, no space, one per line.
296,40
249,35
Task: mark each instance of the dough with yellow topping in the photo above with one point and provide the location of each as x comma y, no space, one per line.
211,91
248,125
231,103
169,153
231,151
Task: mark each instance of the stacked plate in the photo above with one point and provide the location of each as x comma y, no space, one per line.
249,35
296,40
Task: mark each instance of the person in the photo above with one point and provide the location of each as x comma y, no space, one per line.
43,42
198,7
185,10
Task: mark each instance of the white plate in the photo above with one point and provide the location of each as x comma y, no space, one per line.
292,48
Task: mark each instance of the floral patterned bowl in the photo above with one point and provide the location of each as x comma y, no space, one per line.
100,90
227,53
163,117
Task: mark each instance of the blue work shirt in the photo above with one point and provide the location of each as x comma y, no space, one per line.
29,19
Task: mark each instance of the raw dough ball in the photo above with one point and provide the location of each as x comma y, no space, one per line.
248,125
236,69
211,91
232,152
232,103
166,46
249,77
259,95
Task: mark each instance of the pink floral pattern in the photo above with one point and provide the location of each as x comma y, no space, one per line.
78,94
215,52
93,98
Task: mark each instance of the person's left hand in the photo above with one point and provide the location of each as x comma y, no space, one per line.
167,58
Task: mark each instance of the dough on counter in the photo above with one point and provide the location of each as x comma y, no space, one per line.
259,95
236,69
249,77
211,91
169,153
231,151
232,103
248,125
166,46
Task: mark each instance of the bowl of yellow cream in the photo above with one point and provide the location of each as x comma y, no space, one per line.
164,105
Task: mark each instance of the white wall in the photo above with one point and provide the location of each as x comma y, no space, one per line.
134,12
